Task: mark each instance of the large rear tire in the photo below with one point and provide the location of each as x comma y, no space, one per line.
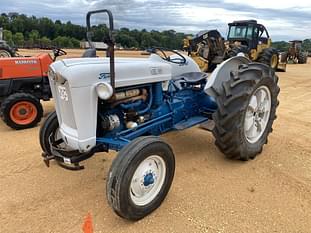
269,57
6,51
246,110
21,111
140,177
302,58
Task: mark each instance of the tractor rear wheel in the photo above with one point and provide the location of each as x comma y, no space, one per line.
21,111
246,111
269,57
6,51
302,58
140,177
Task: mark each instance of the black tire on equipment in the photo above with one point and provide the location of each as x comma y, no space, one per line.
266,57
302,58
236,50
7,104
123,168
49,126
233,100
8,49
48,135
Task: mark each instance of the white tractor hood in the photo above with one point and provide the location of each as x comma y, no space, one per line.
80,72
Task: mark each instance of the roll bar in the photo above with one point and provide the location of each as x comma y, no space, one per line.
110,41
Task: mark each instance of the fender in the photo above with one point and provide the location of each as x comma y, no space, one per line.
222,73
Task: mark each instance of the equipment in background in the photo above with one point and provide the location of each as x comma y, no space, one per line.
5,49
23,83
246,36
206,48
295,53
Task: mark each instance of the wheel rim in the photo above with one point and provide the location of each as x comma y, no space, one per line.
147,180
4,53
23,113
274,61
257,114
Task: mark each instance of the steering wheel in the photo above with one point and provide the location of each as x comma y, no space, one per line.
180,60
58,52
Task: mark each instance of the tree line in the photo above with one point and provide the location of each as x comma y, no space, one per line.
283,45
25,31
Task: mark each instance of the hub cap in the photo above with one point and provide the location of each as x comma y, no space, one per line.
257,114
147,180
23,113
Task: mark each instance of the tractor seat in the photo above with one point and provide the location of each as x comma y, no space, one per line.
89,53
192,78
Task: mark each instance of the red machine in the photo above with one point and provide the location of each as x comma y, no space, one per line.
23,83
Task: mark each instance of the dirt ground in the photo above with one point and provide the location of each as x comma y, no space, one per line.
209,193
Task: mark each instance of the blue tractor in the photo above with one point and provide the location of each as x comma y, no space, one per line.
125,104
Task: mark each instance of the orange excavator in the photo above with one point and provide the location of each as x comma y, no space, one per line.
23,83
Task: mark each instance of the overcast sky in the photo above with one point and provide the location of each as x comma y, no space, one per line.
289,20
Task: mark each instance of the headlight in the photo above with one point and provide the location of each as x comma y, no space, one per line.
55,76
52,74
104,91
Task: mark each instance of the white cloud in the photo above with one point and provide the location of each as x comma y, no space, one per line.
284,4
284,19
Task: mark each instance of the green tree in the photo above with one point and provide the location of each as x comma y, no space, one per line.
281,45
45,42
18,39
75,43
306,45
34,37
67,34
8,37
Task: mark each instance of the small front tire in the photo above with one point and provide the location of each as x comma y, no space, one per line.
50,135
48,130
140,177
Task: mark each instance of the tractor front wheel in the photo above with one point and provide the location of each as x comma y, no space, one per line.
140,177
269,57
246,111
50,136
21,111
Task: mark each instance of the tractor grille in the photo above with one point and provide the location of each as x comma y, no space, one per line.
64,105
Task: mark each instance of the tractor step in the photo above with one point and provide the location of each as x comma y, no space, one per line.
190,122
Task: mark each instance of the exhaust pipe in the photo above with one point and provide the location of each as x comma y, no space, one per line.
110,41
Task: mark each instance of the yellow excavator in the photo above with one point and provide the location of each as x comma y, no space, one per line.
246,36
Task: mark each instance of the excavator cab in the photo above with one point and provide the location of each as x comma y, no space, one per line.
252,39
250,34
